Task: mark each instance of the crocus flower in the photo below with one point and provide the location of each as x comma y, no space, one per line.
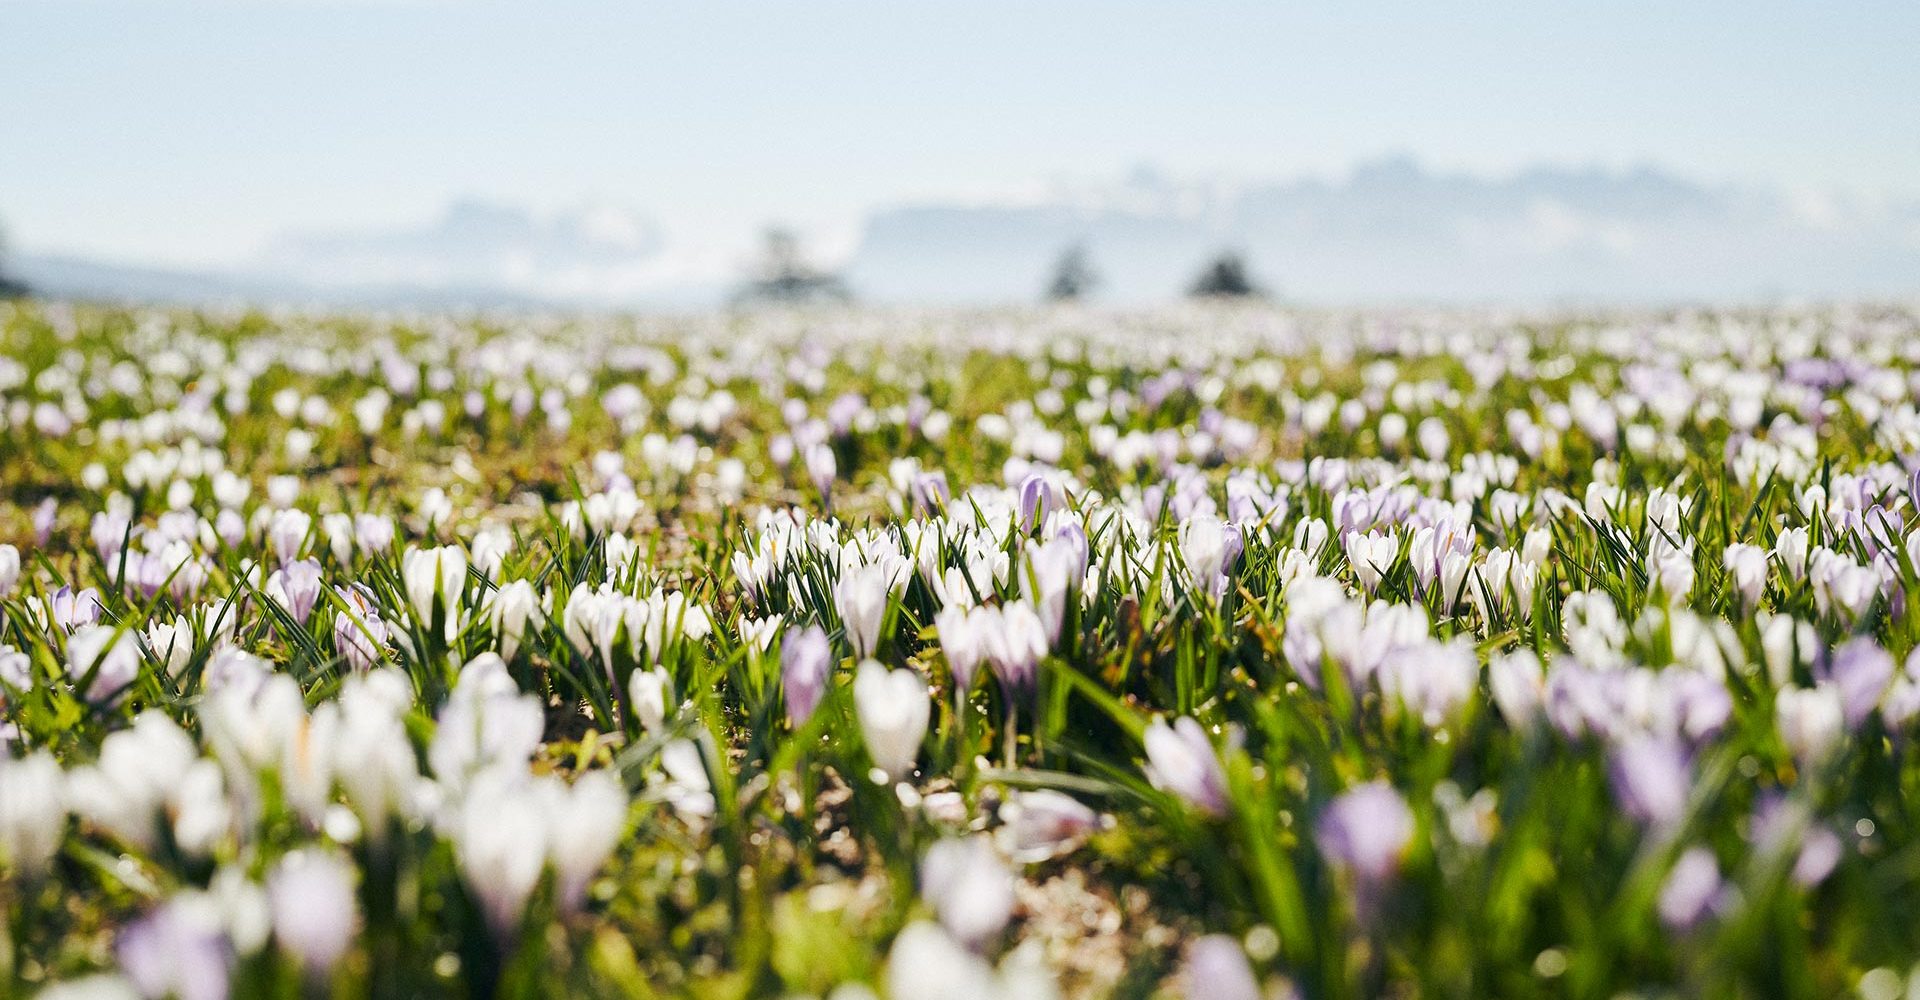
1747,565
1860,671
1519,688
178,950
72,610
1778,825
1432,681
1016,645
806,659
970,888
930,492
491,547
926,963
1791,548
33,813
1040,495
1691,889
894,708
172,643
861,595
647,692
109,531
372,532
110,655
287,533
310,894
1366,830
44,515
511,607
500,844
1651,779
685,784
1371,555
296,588
1043,824
1210,547
1812,722
587,822
1050,578
359,633
1216,968
1182,760
434,579
963,642
822,467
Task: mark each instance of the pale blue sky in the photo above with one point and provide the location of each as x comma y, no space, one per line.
191,132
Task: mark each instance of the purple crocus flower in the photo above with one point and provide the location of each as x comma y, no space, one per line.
1015,641
843,411
72,609
1075,537
1217,969
931,492
1036,500
1651,779
805,660
1777,824
1861,670
1691,891
177,950
1052,575
1701,703
48,509
963,641
1366,830
1181,759
822,466
296,587
359,633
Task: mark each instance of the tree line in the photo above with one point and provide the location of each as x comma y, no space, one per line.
784,275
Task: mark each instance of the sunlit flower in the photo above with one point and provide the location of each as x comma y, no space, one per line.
1182,760
894,708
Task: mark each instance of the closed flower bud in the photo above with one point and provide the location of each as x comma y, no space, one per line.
1812,722
1216,967
970,888
511,607
435,579
1366,830
648,692
33,813
894,709
806,659
1182,760
310,894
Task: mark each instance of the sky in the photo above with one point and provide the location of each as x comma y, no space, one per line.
194,133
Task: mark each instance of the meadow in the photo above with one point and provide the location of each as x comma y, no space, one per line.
1218,651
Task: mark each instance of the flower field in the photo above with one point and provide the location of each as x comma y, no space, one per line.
1218,652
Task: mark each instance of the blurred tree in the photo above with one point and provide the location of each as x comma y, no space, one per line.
10,288
783,275
1073,275
1225,277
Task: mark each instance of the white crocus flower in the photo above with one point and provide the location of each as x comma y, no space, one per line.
894,708
435,578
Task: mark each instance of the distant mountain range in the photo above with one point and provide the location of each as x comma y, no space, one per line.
1390,230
